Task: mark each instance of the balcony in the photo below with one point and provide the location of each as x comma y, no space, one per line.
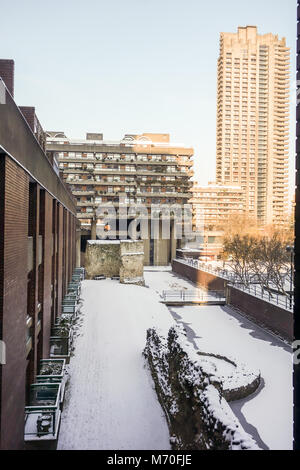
42,416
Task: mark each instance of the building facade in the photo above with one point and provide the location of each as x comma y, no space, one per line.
212,207
213,204
142,169
37,257
253,120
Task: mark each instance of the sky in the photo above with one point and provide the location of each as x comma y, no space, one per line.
133,66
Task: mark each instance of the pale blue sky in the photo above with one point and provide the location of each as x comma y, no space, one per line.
130,66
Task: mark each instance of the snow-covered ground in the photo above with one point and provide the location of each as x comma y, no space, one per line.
223,331
163,278
110,401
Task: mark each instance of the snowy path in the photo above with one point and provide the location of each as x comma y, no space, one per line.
111,402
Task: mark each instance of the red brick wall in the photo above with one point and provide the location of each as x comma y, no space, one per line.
201,278
46,231
60,257
13,305
7,71
264,313
27,210
277,319
33,300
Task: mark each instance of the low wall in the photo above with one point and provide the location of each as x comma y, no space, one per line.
201,278
277,319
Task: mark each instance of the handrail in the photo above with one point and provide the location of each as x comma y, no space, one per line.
192,295
254,289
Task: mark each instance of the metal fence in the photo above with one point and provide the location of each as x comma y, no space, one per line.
196,295
224,273
274,298
255,289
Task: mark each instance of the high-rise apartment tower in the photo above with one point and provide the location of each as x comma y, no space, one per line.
253,120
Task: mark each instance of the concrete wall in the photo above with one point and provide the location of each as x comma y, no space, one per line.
276,319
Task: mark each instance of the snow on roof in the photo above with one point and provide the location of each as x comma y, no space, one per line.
103,242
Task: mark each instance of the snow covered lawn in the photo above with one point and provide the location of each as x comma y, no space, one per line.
110,401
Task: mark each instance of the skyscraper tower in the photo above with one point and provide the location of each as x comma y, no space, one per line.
253,120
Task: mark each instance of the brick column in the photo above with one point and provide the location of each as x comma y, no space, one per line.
14,186
46,207
60,246
33,299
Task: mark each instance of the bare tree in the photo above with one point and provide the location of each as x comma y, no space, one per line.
261,260
240,251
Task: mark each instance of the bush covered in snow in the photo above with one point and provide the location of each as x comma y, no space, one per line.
193,393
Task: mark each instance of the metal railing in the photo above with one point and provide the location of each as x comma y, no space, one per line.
224,273
272,297
254,289
196,295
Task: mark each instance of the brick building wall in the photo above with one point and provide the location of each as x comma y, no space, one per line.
27,288
7,72
33,248
13,305
277,319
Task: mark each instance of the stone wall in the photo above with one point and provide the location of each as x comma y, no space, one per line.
123,258
192,395
102,258
132,262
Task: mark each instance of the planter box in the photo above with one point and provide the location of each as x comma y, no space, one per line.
42,416
51,371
